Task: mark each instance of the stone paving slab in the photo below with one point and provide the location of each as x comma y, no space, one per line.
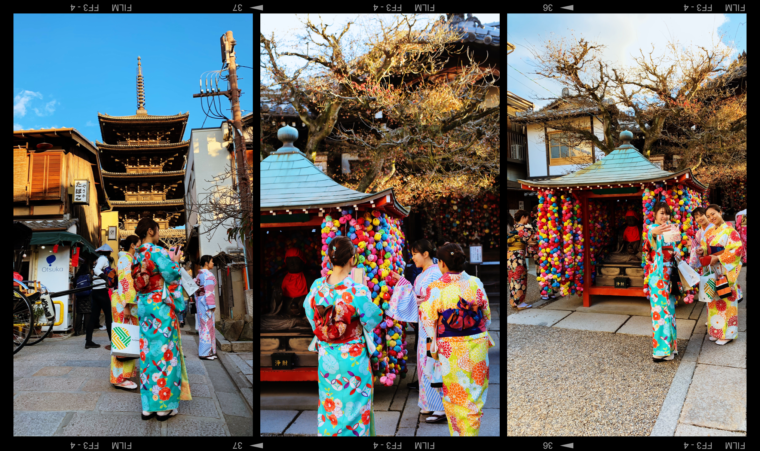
248,396
104,386
91,372
105,363
685,430
700,328
284,396
732,354
55,401
217,377
385,423
642,325
120,402
39,356
697,310
250,378
195,367
383,397
53,371
717,409
597,322
412,410
494,325
489,423
742,319
305,424
406,432
538,317
49,383
197,378
200,390
201,407
492,399
494,373
233,404
433,429
194,427
239,426
41,424
26,369
110,425
667,421
399,399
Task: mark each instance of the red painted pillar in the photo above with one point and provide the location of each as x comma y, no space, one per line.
586,250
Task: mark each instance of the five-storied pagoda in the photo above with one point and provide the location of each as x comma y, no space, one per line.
143,159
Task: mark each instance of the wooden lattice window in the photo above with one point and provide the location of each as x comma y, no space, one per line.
46,176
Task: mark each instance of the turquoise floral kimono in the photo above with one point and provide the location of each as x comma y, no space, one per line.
163,375
723,314
345,374
663,304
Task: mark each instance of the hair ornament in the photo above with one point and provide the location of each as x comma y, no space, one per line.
452,253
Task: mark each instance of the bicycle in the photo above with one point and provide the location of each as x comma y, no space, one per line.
23,321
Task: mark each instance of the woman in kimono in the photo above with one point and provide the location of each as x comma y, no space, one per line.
659,256
205,304
404,307
724,246
517,271
698,215
124,311
163,374
342,314
741,227
457,314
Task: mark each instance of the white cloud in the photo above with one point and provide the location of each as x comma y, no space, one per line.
21,101
17,126
89,124
49,109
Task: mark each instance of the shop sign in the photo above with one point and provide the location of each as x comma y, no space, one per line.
53,268
81,192
476,254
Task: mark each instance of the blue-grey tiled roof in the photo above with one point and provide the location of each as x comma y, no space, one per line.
624,165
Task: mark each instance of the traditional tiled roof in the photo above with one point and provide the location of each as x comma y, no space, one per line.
145,117
625,165
477,32
48,224
144,174
289,180
550,112
133,147
137,203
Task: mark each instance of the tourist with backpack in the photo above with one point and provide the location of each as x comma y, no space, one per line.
343,316
105,277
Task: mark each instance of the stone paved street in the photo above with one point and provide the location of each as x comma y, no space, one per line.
60,388
290,409
609,341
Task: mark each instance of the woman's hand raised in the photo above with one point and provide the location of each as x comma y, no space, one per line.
659,230
395,275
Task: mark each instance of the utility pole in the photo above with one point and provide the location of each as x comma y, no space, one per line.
239,163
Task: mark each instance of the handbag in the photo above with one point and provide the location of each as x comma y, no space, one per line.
125,340
721,285
188,283
707,288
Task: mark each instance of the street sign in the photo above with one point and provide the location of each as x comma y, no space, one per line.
81,192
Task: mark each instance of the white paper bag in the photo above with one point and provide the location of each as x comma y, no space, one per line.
689,275
188,283
707,289
125,340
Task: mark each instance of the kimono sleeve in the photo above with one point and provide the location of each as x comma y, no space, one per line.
429,309
730,259
208,287
170,272
370,314
651,237
403,302
307,302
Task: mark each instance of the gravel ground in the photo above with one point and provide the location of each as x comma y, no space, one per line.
579,383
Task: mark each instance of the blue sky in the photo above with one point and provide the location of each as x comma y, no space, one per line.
288,28
69,67
623,36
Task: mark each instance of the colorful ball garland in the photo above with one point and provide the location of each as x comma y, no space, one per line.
379,242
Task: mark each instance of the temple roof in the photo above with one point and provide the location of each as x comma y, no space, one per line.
143,147
146,203
168,174
624,166
145,117
290,180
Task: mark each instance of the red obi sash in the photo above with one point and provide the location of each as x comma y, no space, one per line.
335,325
